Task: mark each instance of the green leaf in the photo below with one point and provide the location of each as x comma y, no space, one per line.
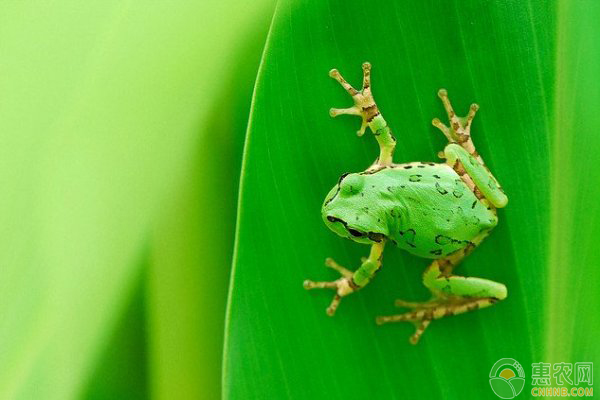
506,56
122,371
192,242
574,266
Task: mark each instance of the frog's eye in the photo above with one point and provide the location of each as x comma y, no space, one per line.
352,184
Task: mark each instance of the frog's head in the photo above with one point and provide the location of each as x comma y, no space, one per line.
352,210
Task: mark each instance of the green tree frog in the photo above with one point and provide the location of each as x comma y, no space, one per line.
440,211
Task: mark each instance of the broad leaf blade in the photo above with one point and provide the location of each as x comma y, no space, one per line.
280,343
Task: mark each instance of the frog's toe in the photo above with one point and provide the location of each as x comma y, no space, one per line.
420,328
342,286
442,127
419,319
308,284
346,273
335,74
407,304
335,302
334,112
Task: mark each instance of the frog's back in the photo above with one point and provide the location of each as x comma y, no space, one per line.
437,213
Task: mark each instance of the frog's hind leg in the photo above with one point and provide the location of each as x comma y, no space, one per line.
451,294
462,156
422,316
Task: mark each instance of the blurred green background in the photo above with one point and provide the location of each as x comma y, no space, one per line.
122,128
126,128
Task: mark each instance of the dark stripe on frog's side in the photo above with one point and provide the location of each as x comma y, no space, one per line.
372,236
369,171
444,240
379,168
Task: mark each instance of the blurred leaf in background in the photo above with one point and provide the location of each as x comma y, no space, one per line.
122,370
193,242
523,62
109,113
573,295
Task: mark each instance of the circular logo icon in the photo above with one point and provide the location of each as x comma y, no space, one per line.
507,378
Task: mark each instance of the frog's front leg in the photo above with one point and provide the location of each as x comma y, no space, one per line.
366,108
451,294
350,281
